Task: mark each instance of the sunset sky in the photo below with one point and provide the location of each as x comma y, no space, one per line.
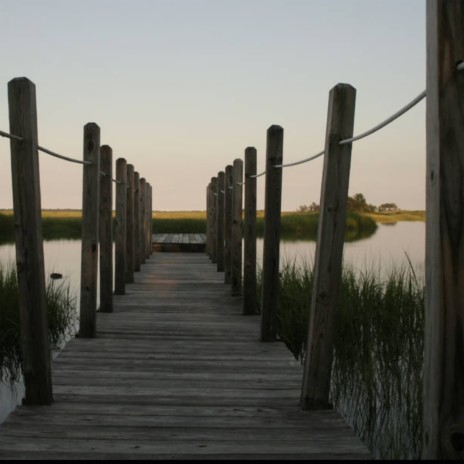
181,87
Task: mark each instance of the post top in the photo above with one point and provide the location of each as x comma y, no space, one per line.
275,128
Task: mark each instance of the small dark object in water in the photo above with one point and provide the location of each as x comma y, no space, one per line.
56,276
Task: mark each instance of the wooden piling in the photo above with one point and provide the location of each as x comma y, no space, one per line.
213,223
443,393
329,248
129,274
29,245
208,220
236,236
136,221
120,226
89,247
142,219
249,233
228,224
105,229
147,220
220,221
271,255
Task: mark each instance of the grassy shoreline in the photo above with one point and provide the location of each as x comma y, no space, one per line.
378,351
61,314
67,224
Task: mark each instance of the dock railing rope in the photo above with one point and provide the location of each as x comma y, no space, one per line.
376,128
96,234
445,100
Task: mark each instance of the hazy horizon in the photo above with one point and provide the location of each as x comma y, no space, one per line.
180,88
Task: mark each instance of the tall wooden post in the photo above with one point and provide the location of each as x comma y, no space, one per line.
213,219
150,241
129,275
105,229
236,239
147,220
90,208
249,268
29,245
443,395
329,249
142,219
228,225
271,252
220,221
208,221
136,221
120,223
208,214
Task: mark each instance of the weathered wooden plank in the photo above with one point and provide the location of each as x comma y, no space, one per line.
190,379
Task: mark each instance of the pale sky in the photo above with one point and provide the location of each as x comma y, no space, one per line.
181,87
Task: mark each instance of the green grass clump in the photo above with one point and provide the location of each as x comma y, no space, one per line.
304,226
378,352
61,321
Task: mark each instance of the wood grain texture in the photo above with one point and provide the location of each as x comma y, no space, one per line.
130,263
271,244
136,221
228,225
179,242
443,400
213,223
236,230
120,227
25,176
329,249
89,247
142,212
220,221
249,235
176,372
105,231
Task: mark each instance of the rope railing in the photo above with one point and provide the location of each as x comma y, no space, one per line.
56,155
10,136
383,124
387,121
296,163
66,158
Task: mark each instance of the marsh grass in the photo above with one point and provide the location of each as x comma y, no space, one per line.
53,228
61,321
378,351
63,224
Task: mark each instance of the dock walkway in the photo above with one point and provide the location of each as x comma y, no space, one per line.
176,372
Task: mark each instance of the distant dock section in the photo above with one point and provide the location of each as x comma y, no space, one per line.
195,243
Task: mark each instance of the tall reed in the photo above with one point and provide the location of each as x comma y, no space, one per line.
61,320
378,352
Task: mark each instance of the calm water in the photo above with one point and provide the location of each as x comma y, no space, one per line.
382,251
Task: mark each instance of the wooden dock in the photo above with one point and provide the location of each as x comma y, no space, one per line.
176,372
179,242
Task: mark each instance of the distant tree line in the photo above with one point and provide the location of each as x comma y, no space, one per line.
356,203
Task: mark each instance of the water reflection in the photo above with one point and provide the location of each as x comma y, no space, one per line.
385,249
